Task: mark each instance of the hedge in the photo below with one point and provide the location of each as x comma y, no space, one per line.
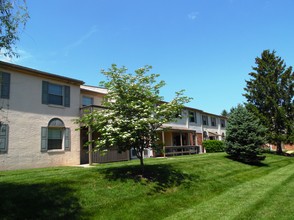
212,146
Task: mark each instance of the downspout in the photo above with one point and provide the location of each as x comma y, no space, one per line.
163,142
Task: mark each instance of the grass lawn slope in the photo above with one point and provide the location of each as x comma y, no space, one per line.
208,186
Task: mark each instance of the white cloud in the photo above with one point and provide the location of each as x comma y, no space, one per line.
80,41
193,15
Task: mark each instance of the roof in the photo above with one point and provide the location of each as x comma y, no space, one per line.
34,72
179,128
94,89
199,110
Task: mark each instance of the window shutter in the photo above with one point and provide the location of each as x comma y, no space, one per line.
66,96
45,92
5,85
3,138
67,139
44,139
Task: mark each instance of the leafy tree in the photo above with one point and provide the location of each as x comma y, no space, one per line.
244,135
13,17
133,112
270,97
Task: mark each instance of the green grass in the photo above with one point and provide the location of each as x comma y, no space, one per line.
208,186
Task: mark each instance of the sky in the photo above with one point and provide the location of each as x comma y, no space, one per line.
206,47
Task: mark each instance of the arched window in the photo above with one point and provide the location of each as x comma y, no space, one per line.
56,122
55,136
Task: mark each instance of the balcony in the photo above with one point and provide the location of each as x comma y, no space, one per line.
90,108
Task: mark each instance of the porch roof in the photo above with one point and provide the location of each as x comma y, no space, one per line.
176,128
213,134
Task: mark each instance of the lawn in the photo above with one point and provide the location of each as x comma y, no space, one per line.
208,186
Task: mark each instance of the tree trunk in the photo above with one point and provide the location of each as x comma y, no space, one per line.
142,160
142,157
279,147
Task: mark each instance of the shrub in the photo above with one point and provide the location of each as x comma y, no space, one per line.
212,146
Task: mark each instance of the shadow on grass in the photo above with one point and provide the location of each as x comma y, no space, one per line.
256,163
39,201
163,176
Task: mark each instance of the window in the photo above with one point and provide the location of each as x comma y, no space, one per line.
55,136
55,94
213,121
4,85
223,123
204,119
192,117
3,138
87,101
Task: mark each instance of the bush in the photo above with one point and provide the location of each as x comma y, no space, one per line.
212,146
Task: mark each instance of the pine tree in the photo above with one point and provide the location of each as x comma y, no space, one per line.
270,97
244,135
224,113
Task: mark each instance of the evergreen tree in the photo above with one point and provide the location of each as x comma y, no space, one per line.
270,97
244,135
224,113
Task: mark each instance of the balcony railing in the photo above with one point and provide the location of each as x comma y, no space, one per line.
181,150
90,108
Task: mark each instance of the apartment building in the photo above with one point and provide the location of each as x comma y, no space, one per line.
37,116
185,135
38,129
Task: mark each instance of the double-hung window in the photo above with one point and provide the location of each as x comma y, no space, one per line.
55,94
55,136
192,117
204,119
213,121
223,123
4,85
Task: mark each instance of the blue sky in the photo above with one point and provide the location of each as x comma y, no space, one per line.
206,47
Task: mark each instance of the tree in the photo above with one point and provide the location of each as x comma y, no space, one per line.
134,110
13,18
270,97
225,113
244,135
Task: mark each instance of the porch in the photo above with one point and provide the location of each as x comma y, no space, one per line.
179,141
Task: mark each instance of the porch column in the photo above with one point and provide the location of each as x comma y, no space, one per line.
163,142
90,145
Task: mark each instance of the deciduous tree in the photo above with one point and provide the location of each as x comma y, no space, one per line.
134,110
13,18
